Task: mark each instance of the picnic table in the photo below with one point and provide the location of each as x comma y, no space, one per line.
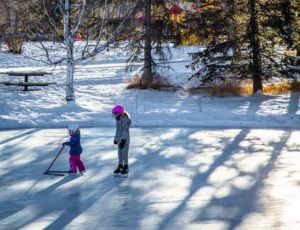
26,75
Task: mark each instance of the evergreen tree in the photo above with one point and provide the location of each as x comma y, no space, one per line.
255,39
149,33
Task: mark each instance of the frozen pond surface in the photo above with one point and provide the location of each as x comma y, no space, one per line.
180,178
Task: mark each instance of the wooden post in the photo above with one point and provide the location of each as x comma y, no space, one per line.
26,80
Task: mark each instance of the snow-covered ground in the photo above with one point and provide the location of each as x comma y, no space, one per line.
100,84
180,178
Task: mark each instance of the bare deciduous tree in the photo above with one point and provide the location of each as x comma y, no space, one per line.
67,20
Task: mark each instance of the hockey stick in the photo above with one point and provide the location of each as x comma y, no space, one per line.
53,174
47,171
58,171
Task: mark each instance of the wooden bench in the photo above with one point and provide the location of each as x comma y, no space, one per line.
29,83
26,75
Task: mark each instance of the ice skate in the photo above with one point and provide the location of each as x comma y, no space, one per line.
119,170
125,171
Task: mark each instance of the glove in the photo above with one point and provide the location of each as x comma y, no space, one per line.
122,144
63,144
115,141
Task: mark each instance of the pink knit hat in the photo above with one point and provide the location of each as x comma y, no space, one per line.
118,109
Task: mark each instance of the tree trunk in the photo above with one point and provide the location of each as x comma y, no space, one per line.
13,20
69,41
255,48
288,27
231,10
147,74
70,96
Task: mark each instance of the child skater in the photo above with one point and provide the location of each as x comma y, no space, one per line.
75,150
122,139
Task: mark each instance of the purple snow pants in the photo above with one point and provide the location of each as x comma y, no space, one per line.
76,162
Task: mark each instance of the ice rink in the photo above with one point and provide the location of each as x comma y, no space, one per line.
180,178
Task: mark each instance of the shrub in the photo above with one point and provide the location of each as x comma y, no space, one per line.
232,88
157,83
277,88
135,83
14,44
225,88
245,88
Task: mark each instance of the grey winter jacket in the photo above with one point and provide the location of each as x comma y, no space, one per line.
122,128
